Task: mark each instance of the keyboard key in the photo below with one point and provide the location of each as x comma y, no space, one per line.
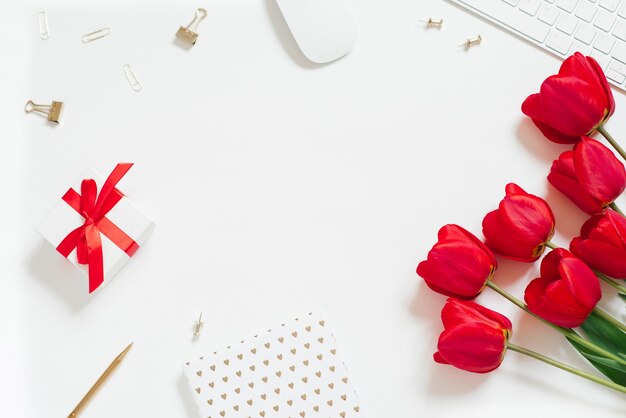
616,72
604,43
618,67
548,14
513,3
586,11
609,5
604,20
559,42
519,22
620,30
567,23
550,1
602,59
529,6
567,5
619,53
586,33
622,11
582,48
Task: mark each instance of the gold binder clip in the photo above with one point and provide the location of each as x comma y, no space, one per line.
471,42
188,33
433,23
53,111
198,326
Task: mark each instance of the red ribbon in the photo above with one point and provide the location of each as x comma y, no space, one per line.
93,207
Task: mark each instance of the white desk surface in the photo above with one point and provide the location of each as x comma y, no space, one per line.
278,187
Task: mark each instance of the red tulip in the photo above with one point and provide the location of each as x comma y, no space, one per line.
474,337
590,175
602,244
521,226
566,292
459,264
572,103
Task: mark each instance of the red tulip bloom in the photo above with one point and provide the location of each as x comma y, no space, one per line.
566,292
572,103
458,265
590,176
474,337
521,226
602,244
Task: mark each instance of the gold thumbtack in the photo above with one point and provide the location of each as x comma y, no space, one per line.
188,33
433,23
471,42
53,111
198,326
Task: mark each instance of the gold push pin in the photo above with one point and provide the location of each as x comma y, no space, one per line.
198,326
433,23
188,34
53,111
471,42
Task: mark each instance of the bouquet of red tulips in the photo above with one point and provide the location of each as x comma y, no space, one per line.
570,107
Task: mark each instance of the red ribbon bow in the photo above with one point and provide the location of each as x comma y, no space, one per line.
93,207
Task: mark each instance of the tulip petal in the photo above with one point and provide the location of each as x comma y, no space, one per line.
439,359
452,232
531,216
475,347
604,84
572,190
600,173
532,108
457,312
571,105
566,292
456,269
563,178
581,281
504,241
601,256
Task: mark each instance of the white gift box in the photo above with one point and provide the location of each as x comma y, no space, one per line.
63,219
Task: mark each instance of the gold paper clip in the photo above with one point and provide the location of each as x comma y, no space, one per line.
44,32
188,33
130,76
100,33
53,111
198,326
471,42
433,23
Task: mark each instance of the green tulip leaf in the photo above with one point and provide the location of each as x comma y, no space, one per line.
622,296
608,367
604,334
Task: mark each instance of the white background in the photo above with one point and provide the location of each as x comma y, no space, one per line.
278,187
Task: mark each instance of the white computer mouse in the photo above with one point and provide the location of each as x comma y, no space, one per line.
324,29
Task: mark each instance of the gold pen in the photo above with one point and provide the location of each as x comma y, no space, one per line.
116,362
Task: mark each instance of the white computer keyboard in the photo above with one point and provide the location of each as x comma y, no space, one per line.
562,27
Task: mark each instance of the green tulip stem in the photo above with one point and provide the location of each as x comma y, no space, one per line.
567,332
567,368
616,208
612,141
606,279
551,245
610,319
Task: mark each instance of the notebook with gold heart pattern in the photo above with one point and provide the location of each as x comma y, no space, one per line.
291,371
